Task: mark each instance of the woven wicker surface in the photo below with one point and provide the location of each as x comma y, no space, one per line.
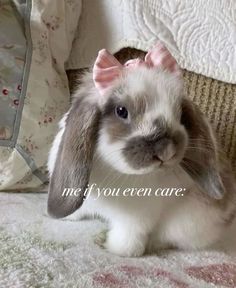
216,99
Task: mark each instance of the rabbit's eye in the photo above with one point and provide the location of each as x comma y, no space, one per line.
121,112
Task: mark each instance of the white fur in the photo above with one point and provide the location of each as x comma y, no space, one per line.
113,156
137,223
151,222
163,90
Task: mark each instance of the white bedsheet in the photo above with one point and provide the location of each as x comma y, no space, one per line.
201,34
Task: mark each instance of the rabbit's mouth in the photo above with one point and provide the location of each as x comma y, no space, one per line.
143,154
149,153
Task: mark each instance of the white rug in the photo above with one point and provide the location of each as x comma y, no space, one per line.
37,251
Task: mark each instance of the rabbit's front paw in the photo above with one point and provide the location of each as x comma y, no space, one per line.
123,243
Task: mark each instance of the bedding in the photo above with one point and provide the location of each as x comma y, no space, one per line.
39,251
200,34
36,39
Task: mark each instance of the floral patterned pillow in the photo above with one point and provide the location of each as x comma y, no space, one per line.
34,47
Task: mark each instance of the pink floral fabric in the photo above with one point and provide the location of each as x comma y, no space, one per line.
39,95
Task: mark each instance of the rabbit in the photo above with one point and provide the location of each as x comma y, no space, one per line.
132,126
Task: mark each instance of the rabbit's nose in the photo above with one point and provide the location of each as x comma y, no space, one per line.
164,150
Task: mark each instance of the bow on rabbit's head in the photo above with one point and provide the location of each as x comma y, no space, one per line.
107,68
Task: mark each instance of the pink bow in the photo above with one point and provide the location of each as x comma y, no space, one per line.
107,68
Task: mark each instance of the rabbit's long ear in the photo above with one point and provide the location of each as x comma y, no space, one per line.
74,159
201,160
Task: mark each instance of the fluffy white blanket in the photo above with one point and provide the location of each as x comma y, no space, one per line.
38,251
201,34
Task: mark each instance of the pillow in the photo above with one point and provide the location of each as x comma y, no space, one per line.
34,92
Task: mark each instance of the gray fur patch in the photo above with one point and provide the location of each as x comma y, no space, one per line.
74,160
